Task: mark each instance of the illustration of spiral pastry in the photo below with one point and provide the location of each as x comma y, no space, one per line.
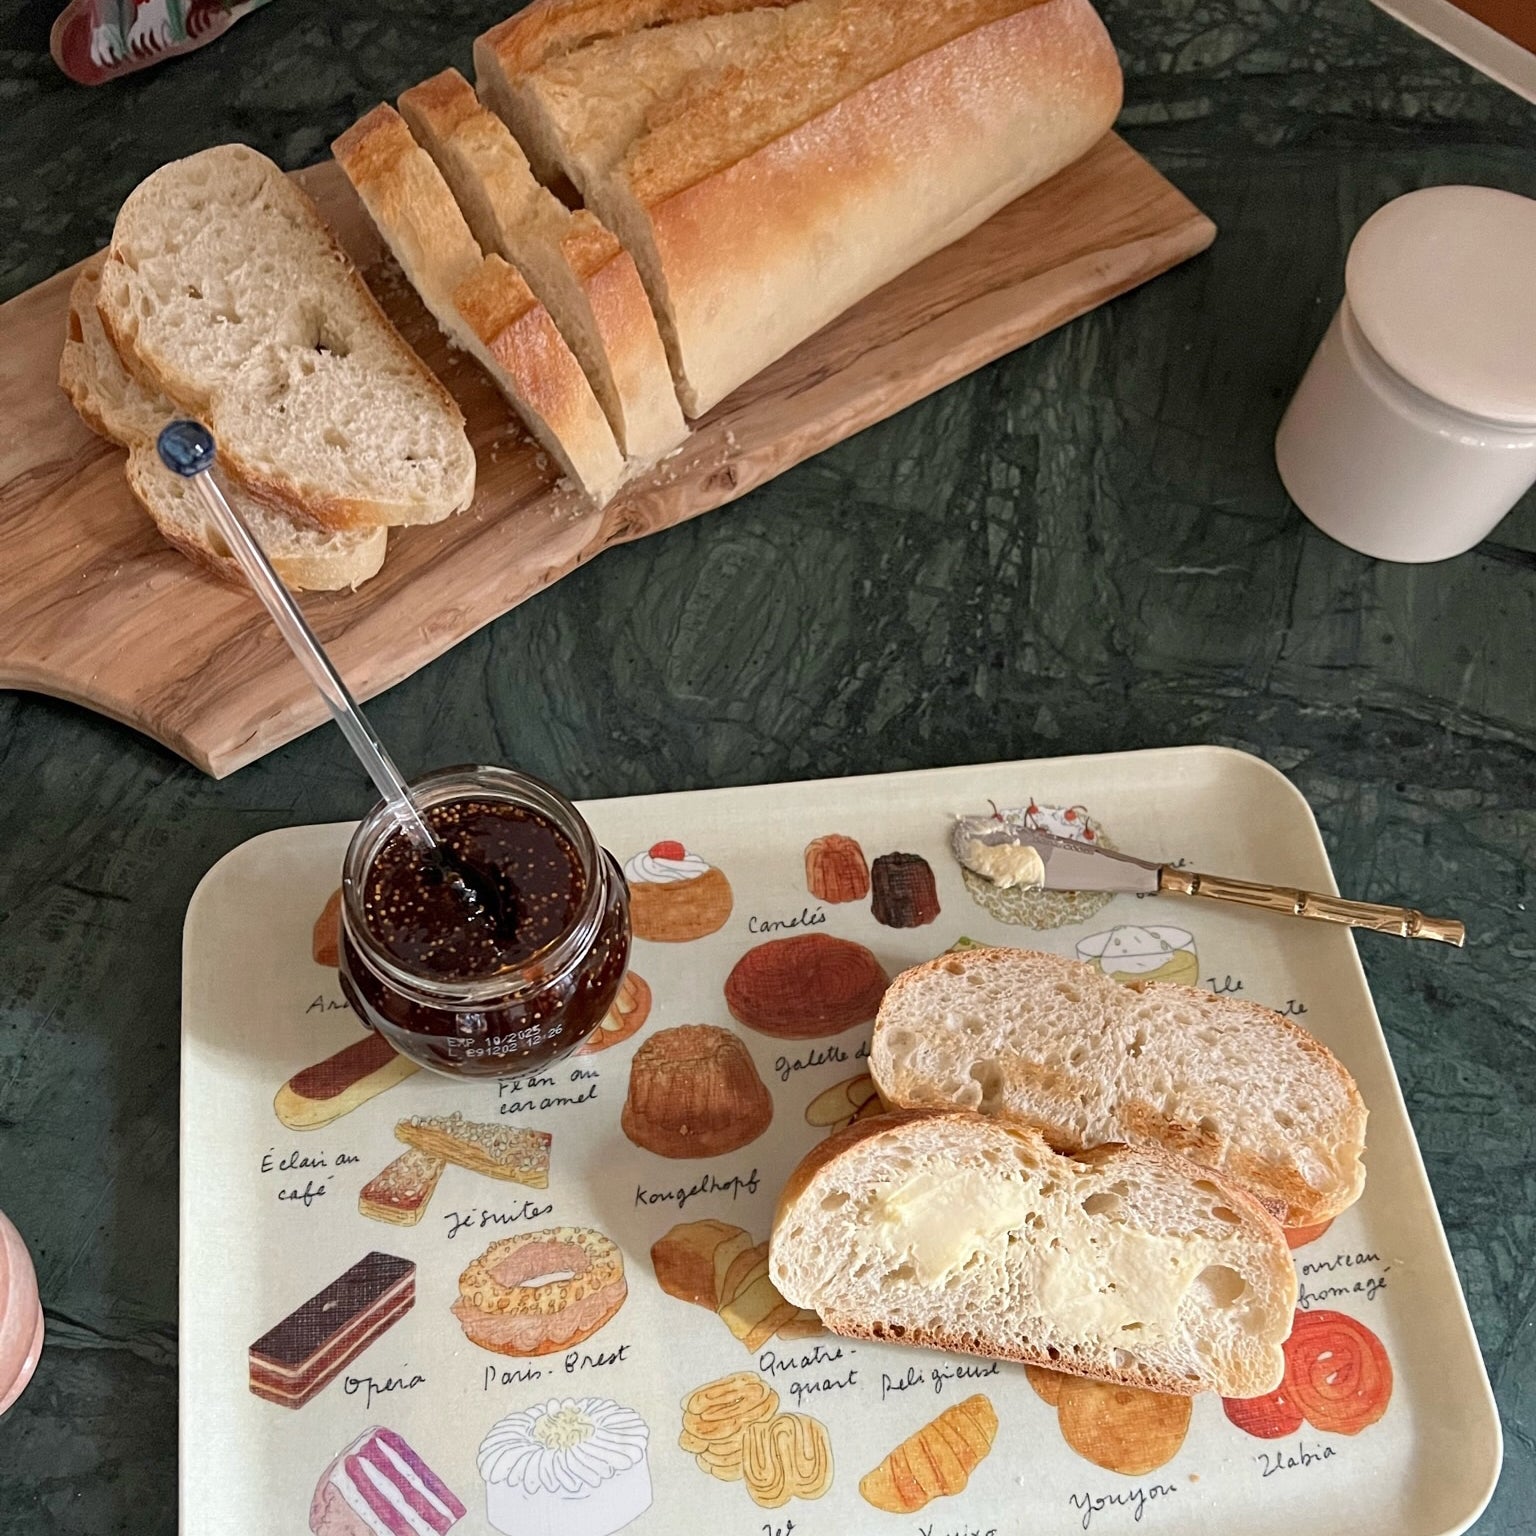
718,1414
674,895
1338,1379
786,1457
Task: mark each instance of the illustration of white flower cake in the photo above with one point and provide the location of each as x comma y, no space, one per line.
1143,954
568,1467
674,895
1023,905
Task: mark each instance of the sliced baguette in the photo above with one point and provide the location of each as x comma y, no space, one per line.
575,267
1040,1040
949,1230
118,407
481,302
224,291
770,167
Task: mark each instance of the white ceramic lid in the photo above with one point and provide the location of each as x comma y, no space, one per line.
1443,284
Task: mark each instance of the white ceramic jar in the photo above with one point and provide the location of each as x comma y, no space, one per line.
1413,430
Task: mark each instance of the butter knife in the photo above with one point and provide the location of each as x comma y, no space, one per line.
1012,855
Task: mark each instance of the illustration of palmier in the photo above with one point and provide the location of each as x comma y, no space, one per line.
718,1414
804,987
785,1457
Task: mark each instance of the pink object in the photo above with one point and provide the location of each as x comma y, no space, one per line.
379,1486
21,1315
97,40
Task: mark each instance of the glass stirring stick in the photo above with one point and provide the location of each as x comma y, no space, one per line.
187,449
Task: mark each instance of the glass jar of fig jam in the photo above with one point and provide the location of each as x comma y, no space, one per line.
490,988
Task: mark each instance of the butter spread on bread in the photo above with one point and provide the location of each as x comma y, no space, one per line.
770,165
950,1230
1040,1040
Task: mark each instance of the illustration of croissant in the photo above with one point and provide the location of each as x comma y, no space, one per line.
936,1461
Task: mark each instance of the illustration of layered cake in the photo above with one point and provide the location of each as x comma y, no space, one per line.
379,1486
674,895
567,1467
1129,953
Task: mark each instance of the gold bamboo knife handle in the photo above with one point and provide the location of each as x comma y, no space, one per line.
1405,922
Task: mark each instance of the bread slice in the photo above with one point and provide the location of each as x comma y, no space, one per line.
769,167
1040,1040
575,267
114,404
949,1230
481,302
224,291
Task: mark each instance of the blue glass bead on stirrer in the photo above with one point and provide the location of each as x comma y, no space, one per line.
187,449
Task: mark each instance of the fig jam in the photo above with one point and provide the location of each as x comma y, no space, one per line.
504,982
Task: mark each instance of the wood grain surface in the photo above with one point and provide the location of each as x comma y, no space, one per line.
94,608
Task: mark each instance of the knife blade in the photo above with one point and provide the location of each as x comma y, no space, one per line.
1065,864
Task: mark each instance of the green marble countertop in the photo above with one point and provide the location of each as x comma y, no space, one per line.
1082,548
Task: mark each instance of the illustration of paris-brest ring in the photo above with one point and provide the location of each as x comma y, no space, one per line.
501,1310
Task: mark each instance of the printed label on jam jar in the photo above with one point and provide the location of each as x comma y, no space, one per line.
501,952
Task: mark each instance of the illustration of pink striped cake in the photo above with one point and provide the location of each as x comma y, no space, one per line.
379,1486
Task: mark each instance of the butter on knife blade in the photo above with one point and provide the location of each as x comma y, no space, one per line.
1005,850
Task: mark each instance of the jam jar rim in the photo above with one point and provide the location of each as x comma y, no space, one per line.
467,781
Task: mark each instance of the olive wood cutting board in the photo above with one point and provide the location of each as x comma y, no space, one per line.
94,608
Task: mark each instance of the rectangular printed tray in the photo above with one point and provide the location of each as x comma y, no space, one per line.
1400,1434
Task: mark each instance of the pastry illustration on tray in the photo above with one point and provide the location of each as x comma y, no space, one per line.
541,1291
566,1467
674,895
1132,954
1120,1428
934,1462
1023,905
325,940
735,1432
718,1266
296,1358
625,1017
379,1486
401,1191
336,1086
835,870
836,1108
694,1092
1338,1379
903,894
804,987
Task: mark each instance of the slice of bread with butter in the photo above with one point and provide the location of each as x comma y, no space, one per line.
948,1229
